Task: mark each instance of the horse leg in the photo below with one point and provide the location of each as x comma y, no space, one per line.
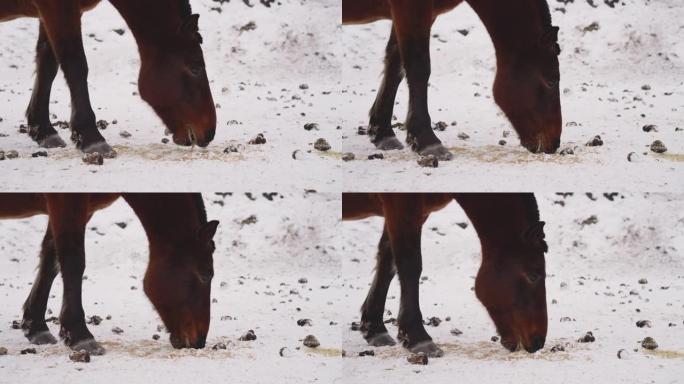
68,218
33,323
412,24
372,310
38,111
404,230
380,126
62,22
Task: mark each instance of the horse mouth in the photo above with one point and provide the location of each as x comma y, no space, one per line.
539,147
511,345
187,140
184,342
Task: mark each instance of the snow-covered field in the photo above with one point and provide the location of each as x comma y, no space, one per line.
257,268
593,273
602,75
255,78
640,236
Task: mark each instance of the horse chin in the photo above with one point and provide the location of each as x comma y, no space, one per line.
183,137
512,345
540,146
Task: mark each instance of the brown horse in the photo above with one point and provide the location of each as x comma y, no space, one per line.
178,276
527,76
172,77
510,282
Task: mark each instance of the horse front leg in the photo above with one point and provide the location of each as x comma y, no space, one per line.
380,126
33,323
404,225
62,22
373,308
412,23
38,111
68,218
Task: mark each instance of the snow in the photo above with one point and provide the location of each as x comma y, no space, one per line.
255,78
300,236
602,74
259,264
639,236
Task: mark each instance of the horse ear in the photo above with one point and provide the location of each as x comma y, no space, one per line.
207,231
190,24
549,39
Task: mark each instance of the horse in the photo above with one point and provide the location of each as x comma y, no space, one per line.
172,79
178,276
526,86
510,282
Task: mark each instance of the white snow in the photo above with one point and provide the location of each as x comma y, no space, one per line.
300,235
639,236
602,73
255,78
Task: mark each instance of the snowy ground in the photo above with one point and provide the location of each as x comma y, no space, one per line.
602,74
639,236
258,264
255,78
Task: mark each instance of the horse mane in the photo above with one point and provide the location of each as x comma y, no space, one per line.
186,9
546,14
201,210
531,207
536,230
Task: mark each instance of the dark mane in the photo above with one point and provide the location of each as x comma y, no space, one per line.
546,13
201,210
531,207
186,10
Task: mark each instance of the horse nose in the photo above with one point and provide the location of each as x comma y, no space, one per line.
200,343
536,344
553,147
204,142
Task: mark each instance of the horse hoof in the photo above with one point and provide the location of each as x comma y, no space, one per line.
52,141
102,148
427,347
90,345
381,340
43,337
389,143
437,150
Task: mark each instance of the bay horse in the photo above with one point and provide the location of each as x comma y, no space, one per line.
510,282
526,86
172,78
178,276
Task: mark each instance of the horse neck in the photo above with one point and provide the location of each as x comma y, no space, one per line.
169,219
499,219
513,25
152,22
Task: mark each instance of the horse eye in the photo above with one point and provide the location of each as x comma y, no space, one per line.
533,277
196,70
551,84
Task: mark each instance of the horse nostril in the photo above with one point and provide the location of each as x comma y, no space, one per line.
537,343
201,342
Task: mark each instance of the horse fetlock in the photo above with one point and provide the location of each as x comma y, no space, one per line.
89,345
40,337
100,147
412,335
